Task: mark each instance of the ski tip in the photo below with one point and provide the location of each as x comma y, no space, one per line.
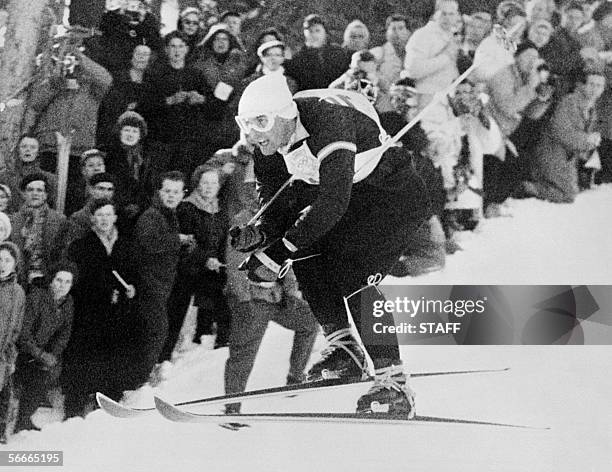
117,410
171,412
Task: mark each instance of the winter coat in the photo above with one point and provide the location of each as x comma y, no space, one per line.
158,249
103,315
13,180
563,142
179,122
315,68
562,54
55,233
426,62
124,95
53,107
210,231
46,326
222,71
119,38
12,308
390,65
600,39
512,99
229,69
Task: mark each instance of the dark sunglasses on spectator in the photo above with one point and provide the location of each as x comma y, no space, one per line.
189,22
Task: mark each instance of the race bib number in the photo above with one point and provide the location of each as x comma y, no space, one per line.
303,165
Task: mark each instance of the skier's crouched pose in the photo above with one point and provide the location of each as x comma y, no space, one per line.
351,207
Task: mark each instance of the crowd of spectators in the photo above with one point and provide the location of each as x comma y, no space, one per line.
94,298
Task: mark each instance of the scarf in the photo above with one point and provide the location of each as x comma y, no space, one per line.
134,159
32,233
208,205
108,241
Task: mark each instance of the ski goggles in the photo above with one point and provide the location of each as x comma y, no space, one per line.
264,122
260,123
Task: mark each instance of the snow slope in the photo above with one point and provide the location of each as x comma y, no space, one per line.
565,387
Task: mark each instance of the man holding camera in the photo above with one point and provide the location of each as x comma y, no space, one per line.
520,96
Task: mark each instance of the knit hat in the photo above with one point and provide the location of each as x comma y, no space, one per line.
6,190
268,45
91,153
268,94
33,177
189,10
131,118
102,177
5,227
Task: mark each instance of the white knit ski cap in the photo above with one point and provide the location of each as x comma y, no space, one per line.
269,94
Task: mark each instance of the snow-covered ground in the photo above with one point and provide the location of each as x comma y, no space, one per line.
568,388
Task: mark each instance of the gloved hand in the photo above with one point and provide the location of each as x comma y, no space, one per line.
246,238
264,265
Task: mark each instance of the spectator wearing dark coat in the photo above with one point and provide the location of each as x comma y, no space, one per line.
12,308
319,62
100,354
158,241
28,162
562,54
178,103
44,336
91,162
39,231
101,186
127,161
123,30
126,94
567,141
201,272
190,24
223,63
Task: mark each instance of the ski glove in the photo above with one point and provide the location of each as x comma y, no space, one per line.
246,238
265,264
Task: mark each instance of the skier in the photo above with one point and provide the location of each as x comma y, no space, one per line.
345,217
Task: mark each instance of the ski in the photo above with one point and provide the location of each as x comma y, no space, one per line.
118,410
238,421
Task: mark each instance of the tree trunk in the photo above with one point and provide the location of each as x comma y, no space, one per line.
26,20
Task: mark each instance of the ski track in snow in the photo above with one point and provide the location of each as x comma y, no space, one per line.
565,387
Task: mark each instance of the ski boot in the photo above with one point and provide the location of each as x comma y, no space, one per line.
343,358
389,394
